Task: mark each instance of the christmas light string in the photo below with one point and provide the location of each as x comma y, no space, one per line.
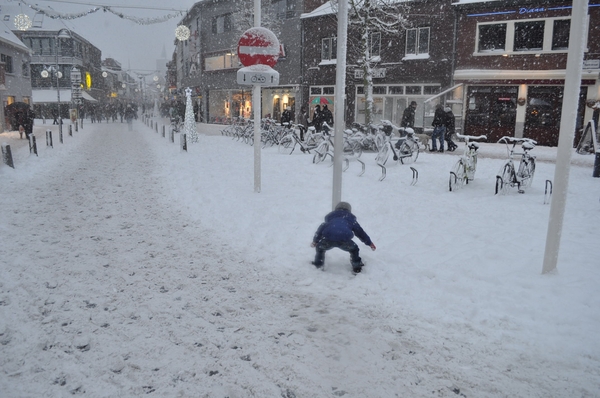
140,21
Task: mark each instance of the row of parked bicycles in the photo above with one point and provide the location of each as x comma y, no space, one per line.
388,141
509,176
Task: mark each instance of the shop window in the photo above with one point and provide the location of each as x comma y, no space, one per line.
560,34
379,89
217,62
328,49
492,37
316,90
417,41
328,90
360,90
529,36
396,90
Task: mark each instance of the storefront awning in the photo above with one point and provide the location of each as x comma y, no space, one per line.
443,92
51,96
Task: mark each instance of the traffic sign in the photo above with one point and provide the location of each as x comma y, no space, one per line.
258,75
258,45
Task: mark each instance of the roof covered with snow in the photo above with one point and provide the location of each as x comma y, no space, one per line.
8,37
325,9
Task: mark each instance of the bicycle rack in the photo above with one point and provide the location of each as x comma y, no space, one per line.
347,165
383,172
452,177
362,165
415,176
548,192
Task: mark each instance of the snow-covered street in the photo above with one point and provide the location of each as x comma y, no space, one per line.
130,268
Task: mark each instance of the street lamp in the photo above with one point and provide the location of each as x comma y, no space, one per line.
61,34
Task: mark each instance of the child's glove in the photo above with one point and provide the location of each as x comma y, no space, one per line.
313,244
372,246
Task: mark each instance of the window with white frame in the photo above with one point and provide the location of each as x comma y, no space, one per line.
224,61
8,63
375,44
539,35
222,23
417,41
328,48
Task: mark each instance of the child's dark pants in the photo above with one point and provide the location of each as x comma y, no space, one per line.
323,245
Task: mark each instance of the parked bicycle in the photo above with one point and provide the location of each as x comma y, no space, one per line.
464,169
521,177
176,124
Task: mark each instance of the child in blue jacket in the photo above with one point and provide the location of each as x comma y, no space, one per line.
339,228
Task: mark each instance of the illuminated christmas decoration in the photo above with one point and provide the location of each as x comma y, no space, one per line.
22,22
106,8
182,33
189,123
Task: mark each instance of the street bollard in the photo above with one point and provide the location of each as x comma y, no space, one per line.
76,126
172,134
70,130
156,127
596,172
163,131
183,142
49,138
32,144
7,155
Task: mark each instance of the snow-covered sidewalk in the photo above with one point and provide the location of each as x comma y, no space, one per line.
129,268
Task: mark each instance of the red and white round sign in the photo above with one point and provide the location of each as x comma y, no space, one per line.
258,45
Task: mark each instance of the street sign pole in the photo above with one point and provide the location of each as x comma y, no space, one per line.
256,102
258,50
340,96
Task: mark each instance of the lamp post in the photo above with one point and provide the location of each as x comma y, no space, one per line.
61,34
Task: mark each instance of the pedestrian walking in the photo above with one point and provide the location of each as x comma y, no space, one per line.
450,129
439,128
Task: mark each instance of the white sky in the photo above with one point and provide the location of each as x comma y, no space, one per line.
134,46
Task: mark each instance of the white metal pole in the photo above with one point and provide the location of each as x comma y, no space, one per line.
567,130
340,96
58,85
256,103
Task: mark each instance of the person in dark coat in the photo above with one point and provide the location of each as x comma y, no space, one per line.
450,128
439,128
286,116
317,120
28,122
339,228
327,115
302,121
408,117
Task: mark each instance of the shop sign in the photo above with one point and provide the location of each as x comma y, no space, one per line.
591,64
378,73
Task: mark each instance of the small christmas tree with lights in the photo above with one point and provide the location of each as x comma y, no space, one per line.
189,124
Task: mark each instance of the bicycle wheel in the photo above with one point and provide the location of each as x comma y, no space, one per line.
504,180
457,176
383,155
526,172
286,144
409,147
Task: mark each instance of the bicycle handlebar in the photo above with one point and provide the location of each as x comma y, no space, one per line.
471,137
515,140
